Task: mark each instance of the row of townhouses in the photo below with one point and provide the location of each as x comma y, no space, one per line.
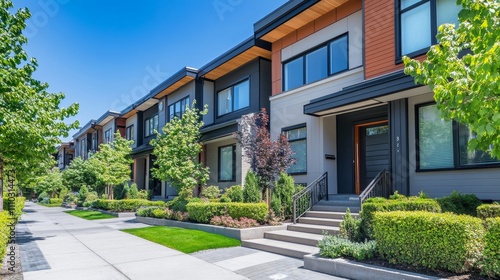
330,74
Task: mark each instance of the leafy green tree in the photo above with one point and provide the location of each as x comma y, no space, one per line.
31,119
463,70
112,163
79,173
177,150
51,182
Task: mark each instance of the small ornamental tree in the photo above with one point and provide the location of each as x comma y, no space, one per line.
463,70
267,158
177,150
51,183
112,163
80,173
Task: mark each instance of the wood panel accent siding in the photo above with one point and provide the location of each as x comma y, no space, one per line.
288,35
380,38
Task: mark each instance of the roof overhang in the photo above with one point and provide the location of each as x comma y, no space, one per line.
363,95
235,58
85,128
176,81
107,117
291,16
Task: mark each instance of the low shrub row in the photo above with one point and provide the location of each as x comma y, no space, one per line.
162,213
488,211
332,246
14,206
5,229
13,209
203,212
433,240
491,264
401,203
228,221
55,200
125,205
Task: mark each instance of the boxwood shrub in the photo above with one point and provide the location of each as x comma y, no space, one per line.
55,200
488,211
203,212
4,232
125,205
459,203
491,262
379,204
433,240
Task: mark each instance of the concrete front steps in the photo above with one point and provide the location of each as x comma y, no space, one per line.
301,238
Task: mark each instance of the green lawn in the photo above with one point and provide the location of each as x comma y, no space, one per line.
184,240
90,215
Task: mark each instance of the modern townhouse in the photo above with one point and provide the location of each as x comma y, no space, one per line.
339,92
235,84
150,114
65,154
95,132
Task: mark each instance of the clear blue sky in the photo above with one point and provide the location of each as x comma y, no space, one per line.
106,54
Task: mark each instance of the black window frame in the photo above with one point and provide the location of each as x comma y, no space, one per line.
219,163
294,127
304,61
107,136
147,132
129,132
232,97
185,100
456,147
398,29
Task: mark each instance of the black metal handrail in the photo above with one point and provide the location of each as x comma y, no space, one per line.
380,186
304,200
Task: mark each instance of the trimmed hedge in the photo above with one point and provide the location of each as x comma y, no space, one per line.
488,211
379,204
203,212
491,263
4,233
17,208
125,205
433,240
459,203
55,201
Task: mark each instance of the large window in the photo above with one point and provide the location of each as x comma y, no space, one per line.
326,60
442,144
419,20
178,108
150,125
227,163
234,98
297,137
129,134
107,136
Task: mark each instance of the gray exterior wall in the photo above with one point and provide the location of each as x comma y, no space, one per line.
485,183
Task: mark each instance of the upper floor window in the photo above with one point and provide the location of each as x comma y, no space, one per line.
328,59
107,136
129,133
178,108
94,141
297,137
150,125
234,98
419,20
442,144
82,148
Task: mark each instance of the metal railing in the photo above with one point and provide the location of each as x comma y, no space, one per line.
306,198
380,186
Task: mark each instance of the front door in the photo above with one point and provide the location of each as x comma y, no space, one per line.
371,152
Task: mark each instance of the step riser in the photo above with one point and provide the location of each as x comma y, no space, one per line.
339,203
276,250
311,230
334,208
330,223
327,215
291,239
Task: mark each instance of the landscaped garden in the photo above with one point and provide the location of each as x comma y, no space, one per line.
184,240
457,234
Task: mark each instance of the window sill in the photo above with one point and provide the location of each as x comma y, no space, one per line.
297,173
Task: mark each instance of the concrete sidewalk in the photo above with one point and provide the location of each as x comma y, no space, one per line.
55,245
